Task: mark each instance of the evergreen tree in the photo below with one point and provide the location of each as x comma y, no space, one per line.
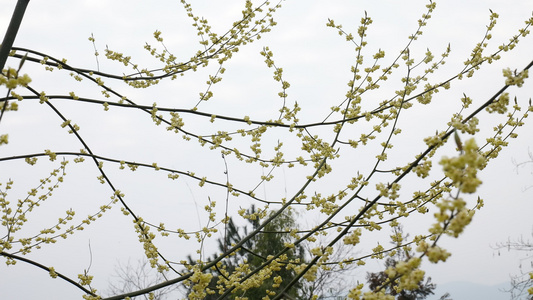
270,241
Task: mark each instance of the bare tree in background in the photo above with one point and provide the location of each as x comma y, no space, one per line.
524,164
521,284
137,276
332,279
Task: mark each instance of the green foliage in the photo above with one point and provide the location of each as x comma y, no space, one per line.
255,252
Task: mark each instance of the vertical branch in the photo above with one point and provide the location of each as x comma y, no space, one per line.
226,219
12,30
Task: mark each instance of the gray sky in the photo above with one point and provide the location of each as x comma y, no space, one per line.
316,62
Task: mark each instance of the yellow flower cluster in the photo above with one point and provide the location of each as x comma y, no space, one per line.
452,215
408,273
514,78
146,238
389,191
377,296
500,105
353,239
460,220
462,170
14,215
310,275
52,272
85,279
200,282
434,253
530,290
356,292
4,139
12,80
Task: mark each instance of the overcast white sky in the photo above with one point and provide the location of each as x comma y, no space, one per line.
316,61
